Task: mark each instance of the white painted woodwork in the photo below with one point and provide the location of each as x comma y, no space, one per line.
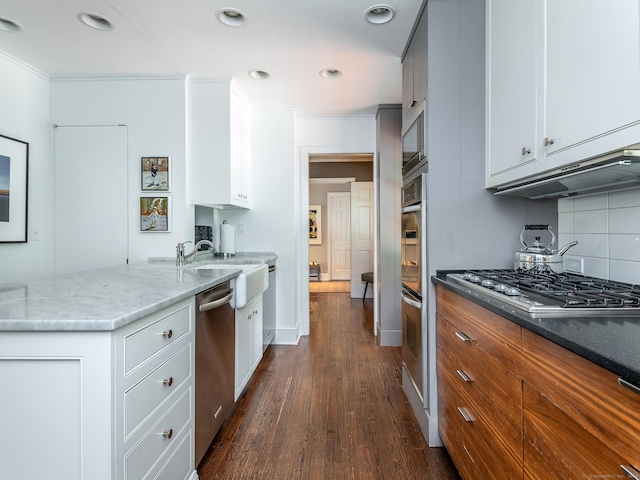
65,404
339,210
248,342
414,75
584,57
218,144
511,88
90,197
362,234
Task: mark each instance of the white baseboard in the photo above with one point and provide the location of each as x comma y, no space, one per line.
286,336
194,475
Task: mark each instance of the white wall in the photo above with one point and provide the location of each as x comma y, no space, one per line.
153,108
270,224
24,97
607,227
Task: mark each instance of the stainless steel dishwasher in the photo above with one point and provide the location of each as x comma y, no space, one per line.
214,364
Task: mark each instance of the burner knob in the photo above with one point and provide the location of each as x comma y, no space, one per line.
467,276
475,279
488,283
500,287
512,291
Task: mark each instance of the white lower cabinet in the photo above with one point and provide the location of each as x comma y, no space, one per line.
248,342
77,407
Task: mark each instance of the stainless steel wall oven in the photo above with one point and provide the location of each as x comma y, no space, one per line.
414,290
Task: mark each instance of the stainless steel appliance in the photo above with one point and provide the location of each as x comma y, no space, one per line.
413,145
269,308
551,294
612,171
214,364
413,255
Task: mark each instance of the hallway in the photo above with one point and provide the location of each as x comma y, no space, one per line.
331,407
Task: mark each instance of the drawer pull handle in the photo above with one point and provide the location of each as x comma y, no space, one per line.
465,414
630,472
630,386
464,376
168,381
168,334
463,337
168,434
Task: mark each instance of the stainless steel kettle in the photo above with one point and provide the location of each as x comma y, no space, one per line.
539,256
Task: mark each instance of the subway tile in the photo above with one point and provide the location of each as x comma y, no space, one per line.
563,239
596,267
625,198
565,222
591,202
565,205
591,245
624,220
594,221
624,247
624,271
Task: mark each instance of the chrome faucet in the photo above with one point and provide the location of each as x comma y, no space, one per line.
181,258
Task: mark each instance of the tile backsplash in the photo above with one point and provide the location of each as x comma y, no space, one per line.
607,227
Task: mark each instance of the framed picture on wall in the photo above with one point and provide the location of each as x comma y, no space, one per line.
315,224
14,176
155,214
154,174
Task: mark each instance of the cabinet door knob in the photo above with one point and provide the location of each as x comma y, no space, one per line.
168,333
413,103
168,434
547,141
168,381
525,151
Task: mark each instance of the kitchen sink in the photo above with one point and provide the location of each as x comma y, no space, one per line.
253,280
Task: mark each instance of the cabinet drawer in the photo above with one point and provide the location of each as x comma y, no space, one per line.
586,392
146,342
491,332
178,466
146,395
556,443
482,372
161,437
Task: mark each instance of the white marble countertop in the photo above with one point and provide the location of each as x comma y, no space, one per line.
109,298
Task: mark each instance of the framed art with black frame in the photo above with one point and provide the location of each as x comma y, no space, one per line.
14,183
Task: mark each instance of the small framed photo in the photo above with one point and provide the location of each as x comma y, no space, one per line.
14,181
155,214
315,224
155,174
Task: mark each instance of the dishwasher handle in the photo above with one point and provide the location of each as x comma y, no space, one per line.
225,298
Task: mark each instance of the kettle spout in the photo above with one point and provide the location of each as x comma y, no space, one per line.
564,249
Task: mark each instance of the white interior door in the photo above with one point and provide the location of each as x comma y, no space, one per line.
339,209
90,197
361,236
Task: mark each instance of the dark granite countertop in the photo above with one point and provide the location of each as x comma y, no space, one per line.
613,342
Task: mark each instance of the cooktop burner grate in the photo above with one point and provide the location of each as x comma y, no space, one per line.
549,292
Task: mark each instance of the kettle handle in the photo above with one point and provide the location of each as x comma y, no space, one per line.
537,227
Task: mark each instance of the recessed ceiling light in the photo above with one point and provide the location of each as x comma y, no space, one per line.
231,17
379,14
330,73
9,25
96,21
259,74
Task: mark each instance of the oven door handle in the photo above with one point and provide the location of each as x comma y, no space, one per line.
410,301
412,208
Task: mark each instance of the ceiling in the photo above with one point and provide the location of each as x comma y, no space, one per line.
292,40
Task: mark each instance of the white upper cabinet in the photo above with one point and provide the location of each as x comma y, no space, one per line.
563,74
511,87
218,142
414,74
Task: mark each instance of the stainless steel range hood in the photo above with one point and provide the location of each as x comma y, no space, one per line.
613,171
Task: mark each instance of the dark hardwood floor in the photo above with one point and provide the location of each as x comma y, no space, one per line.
331,407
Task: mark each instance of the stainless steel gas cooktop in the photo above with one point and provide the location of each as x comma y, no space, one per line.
548,293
